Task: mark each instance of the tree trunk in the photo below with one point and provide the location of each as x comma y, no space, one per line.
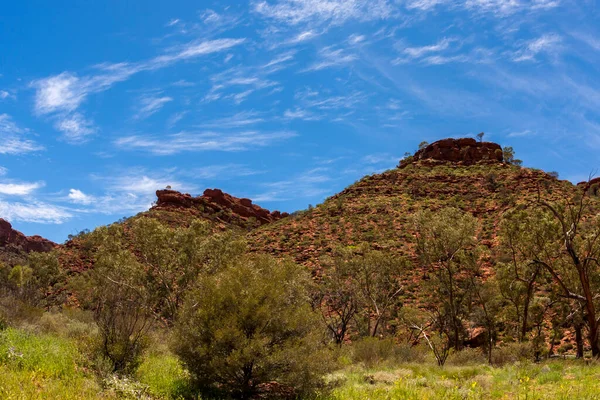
579,340
530,287
590,311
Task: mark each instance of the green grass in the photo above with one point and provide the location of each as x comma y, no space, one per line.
164,376
43,366
551,380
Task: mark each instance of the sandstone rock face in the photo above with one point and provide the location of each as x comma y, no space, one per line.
466,151
16,241
216,202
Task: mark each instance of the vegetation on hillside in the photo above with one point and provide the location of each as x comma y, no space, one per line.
429,281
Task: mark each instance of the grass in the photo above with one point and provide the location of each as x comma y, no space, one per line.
42,367
46,366
550,380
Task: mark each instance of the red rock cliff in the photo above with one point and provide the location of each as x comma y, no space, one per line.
466,151
215,201
15,240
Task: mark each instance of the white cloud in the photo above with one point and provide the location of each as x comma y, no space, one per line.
498,8
509,7
175,118
19,189
78,197
62,94
381,159
417,52
75,128
190,50
423,4
4,94
150,105
244,118
299,113
222,172
309,184
3,171
303,37
549,44
173,22
320,11
197,142
140,182
355,39
526,132
329,57
12,141
36,212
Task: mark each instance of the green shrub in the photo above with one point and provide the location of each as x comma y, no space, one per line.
249,326
373,351
467,356
512,352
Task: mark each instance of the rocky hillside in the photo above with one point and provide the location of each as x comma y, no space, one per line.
14,245
177,209
226,211
461,173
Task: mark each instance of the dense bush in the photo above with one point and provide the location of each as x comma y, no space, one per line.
251,325
510,353
373,351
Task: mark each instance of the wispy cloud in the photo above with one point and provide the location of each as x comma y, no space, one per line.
36,212
198,142
299,113
241,119
430,54
13,141
75,128
60,95
549,44
329,57
221,172
416,52
423,5
127,191
526,132
150,105
309,184
19,189
324,11
509,7
5,95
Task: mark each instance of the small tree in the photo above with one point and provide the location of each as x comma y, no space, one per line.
337,297
447,246
251,324
423,144
115,290
378,279
480,136
509,156
521,234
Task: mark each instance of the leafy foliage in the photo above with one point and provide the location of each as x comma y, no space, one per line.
251,324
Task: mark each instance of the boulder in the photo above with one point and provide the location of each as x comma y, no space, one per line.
465,151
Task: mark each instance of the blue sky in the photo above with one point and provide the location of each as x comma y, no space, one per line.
282,101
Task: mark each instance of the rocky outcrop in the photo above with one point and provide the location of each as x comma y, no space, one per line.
465,151
217,203
15,241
